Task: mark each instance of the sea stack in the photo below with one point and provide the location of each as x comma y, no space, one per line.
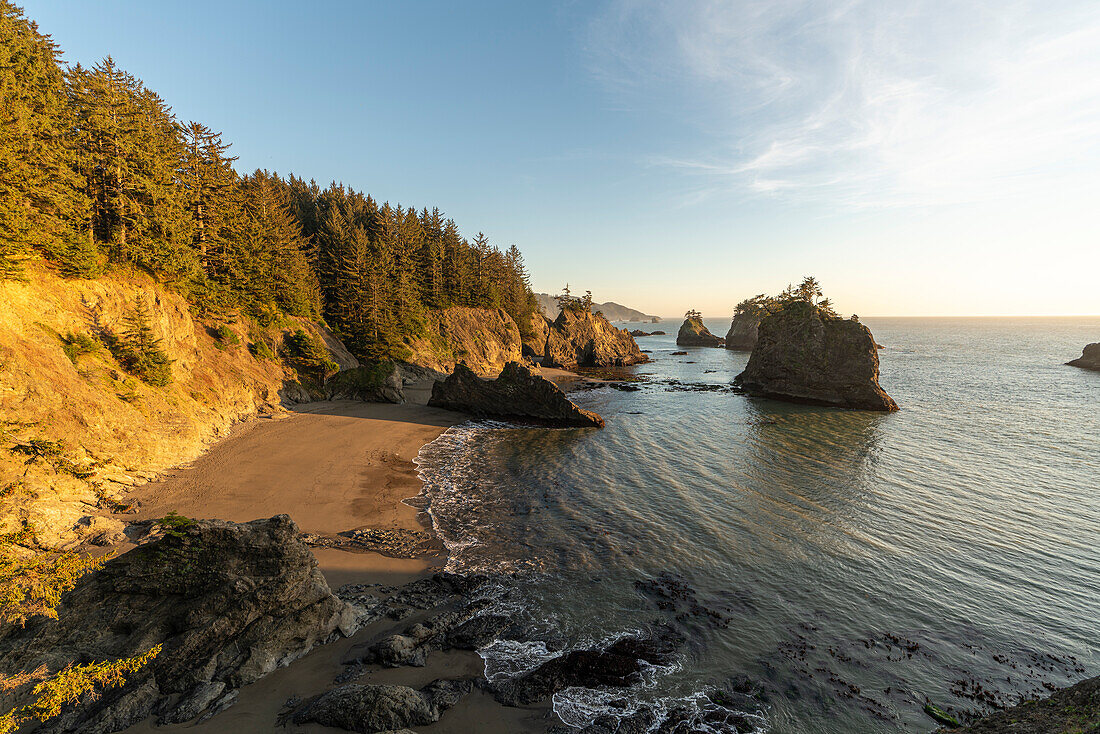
580,338
744,329
517,393
694,334
1089,359
804,354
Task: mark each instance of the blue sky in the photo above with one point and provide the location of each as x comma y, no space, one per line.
920,157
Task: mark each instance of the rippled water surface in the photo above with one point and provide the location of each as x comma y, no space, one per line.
849,566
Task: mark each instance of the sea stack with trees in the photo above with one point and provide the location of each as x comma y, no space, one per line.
806,353
746,322
693,333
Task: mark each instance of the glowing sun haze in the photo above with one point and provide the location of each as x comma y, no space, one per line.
918,157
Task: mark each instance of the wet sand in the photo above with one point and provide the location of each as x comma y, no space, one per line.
331,466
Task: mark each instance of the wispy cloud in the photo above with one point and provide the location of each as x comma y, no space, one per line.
863,102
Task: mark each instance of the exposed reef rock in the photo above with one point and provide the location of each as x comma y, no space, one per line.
1089,359
583,339
1073,709
694,334
484,339
229,602
373,383
517,393
805,356
743,331
383,708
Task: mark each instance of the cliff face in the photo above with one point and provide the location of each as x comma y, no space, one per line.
80,430
694,334
584,339
1089,359
803,357
485,339
517,393
534,341
744,330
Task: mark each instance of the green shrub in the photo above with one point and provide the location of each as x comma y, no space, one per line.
176,525
224,337
308,356
260,350
77,345
138,349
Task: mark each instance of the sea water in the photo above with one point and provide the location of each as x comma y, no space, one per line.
844,567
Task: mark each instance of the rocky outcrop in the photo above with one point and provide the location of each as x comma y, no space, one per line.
484,339
517,393
1089,359
743,331
1073,709
583,339
693,333
535,337
380,382
383,708
229,602
805,356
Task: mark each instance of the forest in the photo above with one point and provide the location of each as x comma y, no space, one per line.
97,174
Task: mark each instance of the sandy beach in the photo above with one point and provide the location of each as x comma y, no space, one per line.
331,466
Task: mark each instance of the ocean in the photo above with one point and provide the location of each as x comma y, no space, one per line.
831,571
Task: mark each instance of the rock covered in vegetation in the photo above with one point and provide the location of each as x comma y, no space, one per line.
1069,710
579,338
517,393
1089,359
743,331
383,708
379,382
230,602
485,339
693,333
804,355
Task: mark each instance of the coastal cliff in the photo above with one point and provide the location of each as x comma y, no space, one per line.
485,339
579,338
805,355
1089,359
517,393
693,333
744,330
86,417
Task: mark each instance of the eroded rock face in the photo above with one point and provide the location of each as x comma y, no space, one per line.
517,393
230,602
1089,359
694,334
584,339
484,339
535,336
743,331
804,356
371,383
1076,708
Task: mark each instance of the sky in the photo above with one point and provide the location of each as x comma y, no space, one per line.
919,157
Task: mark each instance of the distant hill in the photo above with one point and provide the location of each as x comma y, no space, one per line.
611,310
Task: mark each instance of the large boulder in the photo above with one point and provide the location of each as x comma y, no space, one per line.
803,355
579,338
517,393
485,339
378,382
229,602
744,330
1089,359
383,708
693,333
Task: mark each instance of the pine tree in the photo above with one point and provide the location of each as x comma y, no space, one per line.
207,178
41,206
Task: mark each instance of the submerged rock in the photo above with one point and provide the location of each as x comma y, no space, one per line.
517,393
1089,359
803,355
693,333
580,338
230,602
